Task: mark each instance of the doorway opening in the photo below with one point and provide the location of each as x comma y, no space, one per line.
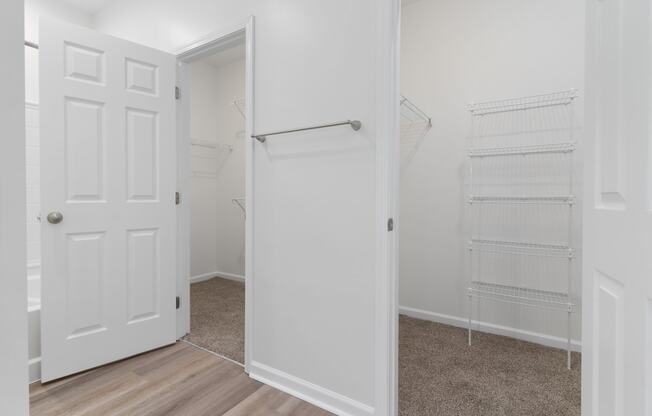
214,151
216,87
490,217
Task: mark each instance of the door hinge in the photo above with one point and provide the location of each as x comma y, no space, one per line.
390,224
178,302
177,92
177,198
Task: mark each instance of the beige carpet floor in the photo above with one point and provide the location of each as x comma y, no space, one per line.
498,376
439,374
217,317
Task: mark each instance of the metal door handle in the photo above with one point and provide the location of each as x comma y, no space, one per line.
55,217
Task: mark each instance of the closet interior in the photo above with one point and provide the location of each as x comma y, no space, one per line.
217,204
490,208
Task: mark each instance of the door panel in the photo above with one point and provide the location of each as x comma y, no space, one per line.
142,151
86,258
143,260
609,345
84,144
108,158
617,284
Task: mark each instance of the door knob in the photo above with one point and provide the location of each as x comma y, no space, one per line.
55,217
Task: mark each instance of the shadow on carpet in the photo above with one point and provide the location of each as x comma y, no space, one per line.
440,374
217,317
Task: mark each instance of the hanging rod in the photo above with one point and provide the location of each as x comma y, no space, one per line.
31,44
355,125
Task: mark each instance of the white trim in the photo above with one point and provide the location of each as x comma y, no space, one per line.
249,189
231,276
204,46
309,392
202,277
534,337
387,203
184,172
34,366
214,42
223,275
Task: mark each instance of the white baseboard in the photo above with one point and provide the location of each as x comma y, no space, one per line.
223,275
230,276
535,337
309,392
202,277
34,365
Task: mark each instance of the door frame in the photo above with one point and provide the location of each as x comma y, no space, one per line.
388,52
208,45
388,186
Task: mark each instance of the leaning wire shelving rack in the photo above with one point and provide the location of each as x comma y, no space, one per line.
521,201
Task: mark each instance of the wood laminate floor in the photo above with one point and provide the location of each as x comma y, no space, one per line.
176,380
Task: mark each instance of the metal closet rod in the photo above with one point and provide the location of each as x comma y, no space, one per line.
355,125
31,44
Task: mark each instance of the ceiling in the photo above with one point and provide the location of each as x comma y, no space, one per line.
94,6
226,56
88,6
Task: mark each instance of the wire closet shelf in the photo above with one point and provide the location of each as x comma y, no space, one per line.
415,123
240,202
521,201
239,106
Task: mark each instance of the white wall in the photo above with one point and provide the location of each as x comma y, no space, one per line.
34,9
455,52
315,202
231,174
13,287
204,163
217,236
217,225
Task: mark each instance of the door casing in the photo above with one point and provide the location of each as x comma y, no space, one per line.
205,46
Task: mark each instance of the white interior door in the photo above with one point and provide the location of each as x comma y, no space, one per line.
108,166
617,283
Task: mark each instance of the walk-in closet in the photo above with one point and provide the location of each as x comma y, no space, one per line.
490,219
217,201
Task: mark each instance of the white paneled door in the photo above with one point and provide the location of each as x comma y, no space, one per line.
108,175
617,293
